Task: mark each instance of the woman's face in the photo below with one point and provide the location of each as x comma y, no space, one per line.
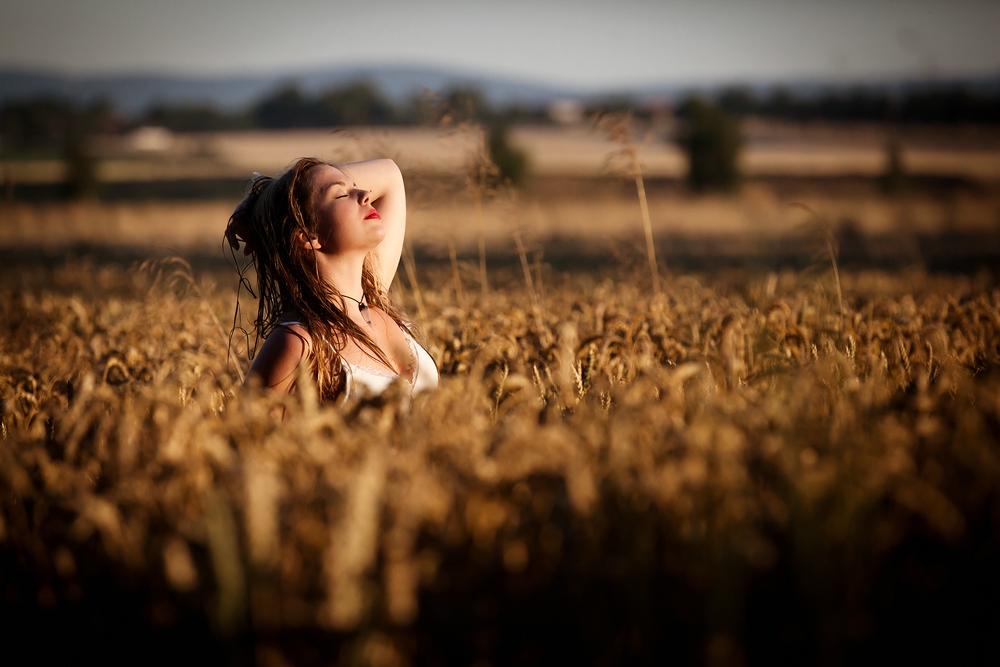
345,219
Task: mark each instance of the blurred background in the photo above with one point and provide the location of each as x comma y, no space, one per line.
134,127
795,456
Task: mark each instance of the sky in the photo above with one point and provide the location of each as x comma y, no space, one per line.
583,43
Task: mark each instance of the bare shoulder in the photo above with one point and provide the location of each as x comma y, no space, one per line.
277,361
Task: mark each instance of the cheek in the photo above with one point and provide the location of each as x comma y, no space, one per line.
345,230
333,227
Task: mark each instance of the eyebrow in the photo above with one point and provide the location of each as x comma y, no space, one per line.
330,185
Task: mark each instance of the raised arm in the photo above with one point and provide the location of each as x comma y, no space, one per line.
385,181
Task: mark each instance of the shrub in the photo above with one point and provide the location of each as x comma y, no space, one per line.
711,139
894,177
511,162
358,103
81,167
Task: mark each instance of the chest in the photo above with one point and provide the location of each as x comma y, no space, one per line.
393,343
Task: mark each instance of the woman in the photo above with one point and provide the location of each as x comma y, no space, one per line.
325,242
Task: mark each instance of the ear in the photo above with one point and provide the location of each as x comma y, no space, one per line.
306,242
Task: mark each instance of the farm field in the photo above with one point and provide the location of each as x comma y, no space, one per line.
198,226
604,474
771,149
571,221
578,202
784,451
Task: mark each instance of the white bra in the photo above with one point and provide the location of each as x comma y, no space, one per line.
364,379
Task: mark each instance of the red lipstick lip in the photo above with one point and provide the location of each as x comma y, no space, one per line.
373,214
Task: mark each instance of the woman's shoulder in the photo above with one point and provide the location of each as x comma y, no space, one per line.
291,325
278,359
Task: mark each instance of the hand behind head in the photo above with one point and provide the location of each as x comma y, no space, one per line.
238,228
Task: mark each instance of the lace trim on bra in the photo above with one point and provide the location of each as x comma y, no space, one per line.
390,374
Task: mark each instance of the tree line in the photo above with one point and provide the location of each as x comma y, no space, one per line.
47,123
938,105
708,132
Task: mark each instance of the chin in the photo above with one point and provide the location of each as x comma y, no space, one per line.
368,247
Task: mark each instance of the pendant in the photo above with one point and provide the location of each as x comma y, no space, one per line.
363,307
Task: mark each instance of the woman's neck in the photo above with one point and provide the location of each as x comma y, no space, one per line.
343,272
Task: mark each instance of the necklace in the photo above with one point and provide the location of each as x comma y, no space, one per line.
362,307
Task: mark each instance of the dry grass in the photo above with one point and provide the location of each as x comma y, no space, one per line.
602,217
676,449
772,149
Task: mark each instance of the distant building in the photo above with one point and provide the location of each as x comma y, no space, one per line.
566,112
150,139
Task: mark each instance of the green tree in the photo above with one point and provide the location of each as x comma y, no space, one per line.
358,103
468,104
195,118
711,139
894,178
420,109
81,168
286,107
37,126
53,127
511,162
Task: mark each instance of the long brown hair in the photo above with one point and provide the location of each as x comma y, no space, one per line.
289,284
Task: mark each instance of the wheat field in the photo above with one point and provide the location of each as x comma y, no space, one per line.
773,148
743,468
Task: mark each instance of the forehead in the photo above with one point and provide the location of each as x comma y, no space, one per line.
325,176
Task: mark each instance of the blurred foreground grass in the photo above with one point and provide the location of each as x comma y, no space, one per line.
733,471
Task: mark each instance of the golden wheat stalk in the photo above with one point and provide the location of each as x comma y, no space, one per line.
829,242
619,129
410,265
455,275
647,224
481,229
529,282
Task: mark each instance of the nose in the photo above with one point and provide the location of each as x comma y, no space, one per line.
364,196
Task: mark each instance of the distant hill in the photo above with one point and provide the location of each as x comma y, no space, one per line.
134,93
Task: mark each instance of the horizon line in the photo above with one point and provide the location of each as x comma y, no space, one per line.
458,72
